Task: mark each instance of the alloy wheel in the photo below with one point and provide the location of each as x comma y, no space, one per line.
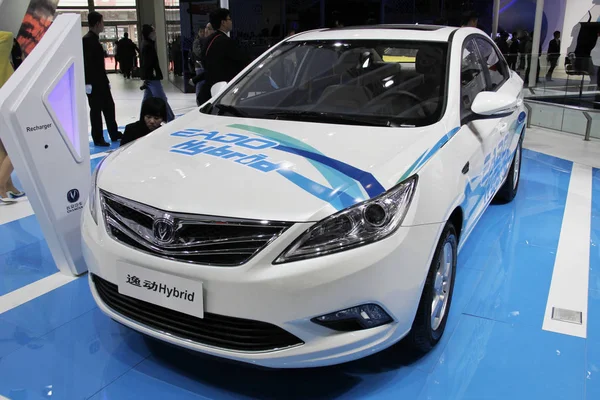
441,285
517,167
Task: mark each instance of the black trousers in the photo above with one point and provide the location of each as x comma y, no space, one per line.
553,62
101,102
204,94
126,68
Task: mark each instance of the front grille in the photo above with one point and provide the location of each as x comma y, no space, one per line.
213,330
198,239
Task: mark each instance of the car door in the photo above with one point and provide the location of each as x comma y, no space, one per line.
497,74
475,78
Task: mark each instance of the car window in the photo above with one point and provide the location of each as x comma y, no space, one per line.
364,82
278,71
497,67
400,55
472,76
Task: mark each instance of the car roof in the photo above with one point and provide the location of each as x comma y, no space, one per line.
389,32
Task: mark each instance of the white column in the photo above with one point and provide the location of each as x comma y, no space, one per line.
224,3
535,48
161,36
496,17
153,13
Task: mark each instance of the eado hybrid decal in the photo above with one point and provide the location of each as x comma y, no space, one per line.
226,146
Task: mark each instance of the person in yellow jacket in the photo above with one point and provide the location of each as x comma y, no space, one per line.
8,191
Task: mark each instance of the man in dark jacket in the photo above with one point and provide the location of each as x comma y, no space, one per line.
221,57
502,43
513,52
97,85
126,52
469,19
150,71
553,54
203,33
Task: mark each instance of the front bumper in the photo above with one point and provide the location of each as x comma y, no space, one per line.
390,273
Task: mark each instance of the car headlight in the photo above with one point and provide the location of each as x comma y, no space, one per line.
94,192
361,224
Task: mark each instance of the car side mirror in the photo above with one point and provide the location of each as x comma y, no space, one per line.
491,105
217,88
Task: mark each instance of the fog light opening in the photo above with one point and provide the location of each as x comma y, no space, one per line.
354,319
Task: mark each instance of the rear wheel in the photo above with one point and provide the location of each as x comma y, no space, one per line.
508,191
432,314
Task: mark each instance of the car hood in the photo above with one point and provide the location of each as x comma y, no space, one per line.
265,169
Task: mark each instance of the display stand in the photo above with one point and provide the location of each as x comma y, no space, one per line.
44,127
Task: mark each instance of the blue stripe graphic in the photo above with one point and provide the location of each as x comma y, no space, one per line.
371,185
337,198
335,178
428,154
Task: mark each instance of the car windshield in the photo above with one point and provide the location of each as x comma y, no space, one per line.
366,82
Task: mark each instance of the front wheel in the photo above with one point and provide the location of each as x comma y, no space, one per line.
508,191
434,306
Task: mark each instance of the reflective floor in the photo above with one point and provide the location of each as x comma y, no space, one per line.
60,346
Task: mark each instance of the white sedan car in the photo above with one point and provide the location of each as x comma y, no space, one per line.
311,213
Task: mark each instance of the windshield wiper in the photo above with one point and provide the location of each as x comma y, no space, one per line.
231,109
316,116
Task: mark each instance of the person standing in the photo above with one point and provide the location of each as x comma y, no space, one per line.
97,85
553,54
221,57
150,71
595,56
337,19
469,19
513,52
126,53
502,43
523,43
203,33
177,56
8,191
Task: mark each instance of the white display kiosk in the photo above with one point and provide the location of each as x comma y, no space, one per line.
44,127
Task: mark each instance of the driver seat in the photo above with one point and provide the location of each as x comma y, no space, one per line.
430,63
349,95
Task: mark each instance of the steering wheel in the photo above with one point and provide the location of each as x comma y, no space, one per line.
403,93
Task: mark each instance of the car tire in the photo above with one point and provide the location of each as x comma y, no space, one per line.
508,191
426,330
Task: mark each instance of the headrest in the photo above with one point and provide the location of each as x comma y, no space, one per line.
430,60
347,61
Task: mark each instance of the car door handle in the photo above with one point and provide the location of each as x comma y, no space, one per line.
503,128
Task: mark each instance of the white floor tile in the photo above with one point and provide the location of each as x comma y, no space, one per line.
563,145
